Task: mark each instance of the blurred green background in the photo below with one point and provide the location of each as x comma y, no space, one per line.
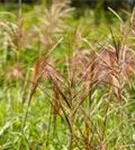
81,3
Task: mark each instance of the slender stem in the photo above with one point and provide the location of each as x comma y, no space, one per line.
19,8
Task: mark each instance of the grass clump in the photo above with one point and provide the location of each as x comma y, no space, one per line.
66,83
